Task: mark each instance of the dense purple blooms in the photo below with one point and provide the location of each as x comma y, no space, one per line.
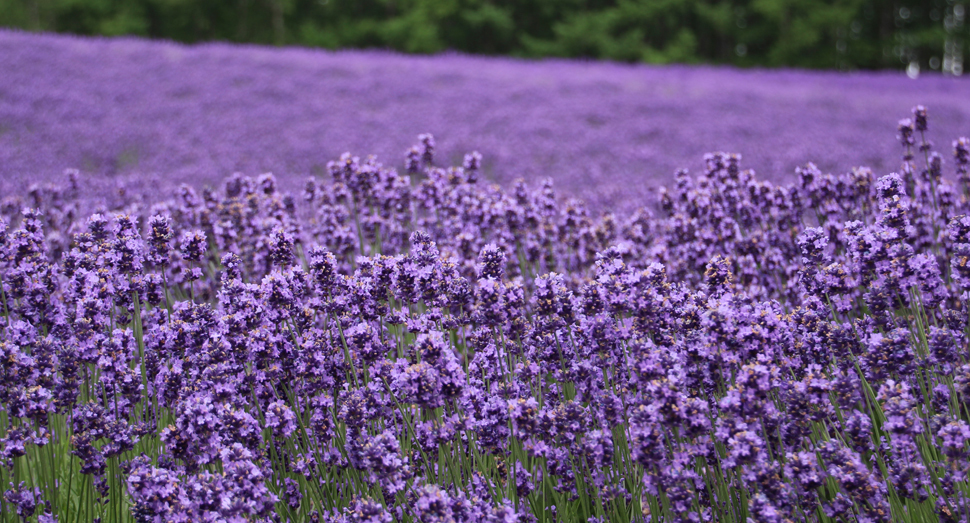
430,348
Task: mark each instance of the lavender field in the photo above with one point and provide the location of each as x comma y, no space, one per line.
349,341
605,132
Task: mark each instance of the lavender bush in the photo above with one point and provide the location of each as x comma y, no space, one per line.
607,133
421,346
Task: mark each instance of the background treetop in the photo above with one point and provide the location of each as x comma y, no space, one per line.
826,34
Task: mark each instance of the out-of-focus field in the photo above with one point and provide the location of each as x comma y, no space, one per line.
165,113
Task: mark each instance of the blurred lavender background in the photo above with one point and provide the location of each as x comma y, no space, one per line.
163,113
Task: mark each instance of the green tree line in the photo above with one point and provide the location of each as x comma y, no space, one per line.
829,34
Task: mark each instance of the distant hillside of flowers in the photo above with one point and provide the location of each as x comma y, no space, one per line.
607,133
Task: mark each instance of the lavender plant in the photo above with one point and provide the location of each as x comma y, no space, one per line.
425,347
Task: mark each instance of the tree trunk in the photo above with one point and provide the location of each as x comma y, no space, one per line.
242,15
33,12
279,29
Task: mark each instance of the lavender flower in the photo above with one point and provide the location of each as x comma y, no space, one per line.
491,263
25,500
193,245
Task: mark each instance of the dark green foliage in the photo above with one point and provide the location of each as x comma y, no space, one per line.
832,34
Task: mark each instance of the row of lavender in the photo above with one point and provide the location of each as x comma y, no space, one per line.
423,347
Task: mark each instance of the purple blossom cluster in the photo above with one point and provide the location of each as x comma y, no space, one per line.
159,114
386,346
